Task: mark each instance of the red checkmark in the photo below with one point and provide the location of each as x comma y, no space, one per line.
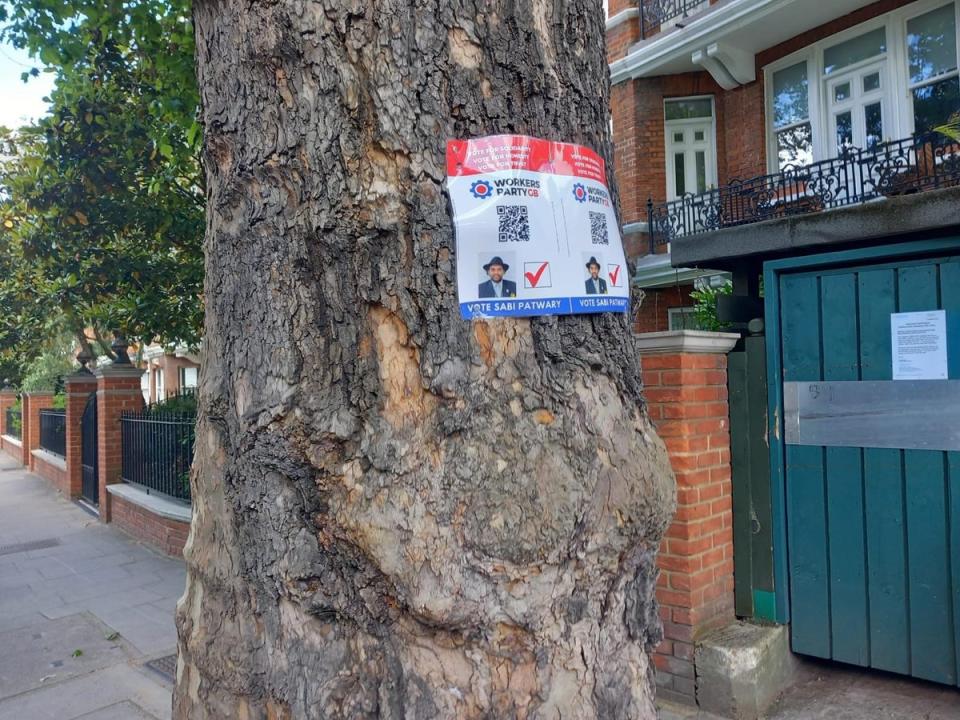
614,275
534,278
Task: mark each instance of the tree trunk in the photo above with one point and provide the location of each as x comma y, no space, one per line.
398,513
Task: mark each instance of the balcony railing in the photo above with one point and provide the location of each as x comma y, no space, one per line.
900,167
53,431
655,14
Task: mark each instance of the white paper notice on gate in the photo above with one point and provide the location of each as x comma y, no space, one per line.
919,345
536,230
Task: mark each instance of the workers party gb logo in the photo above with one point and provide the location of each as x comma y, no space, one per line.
481,189
579,193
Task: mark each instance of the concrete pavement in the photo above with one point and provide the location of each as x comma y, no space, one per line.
83,609
832,691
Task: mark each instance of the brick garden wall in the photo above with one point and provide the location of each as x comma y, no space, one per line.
13,450
56,475
168,536
687,401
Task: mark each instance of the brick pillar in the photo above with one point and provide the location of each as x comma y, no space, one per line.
118,389
8,396
685,378
79,386
33,403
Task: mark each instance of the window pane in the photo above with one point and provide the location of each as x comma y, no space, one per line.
932,44
854,50
871,82
841,92
701,171
189,377
679,171
795,146
844,129
687,109
698,135
873,117
790,95
934,103
678,137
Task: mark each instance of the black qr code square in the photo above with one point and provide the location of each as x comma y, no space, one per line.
514,223
598,229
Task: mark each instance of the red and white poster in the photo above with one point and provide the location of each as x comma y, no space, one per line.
536,230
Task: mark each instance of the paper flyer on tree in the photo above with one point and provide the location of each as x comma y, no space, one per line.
536,230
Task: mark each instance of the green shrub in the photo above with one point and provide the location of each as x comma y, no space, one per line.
705,307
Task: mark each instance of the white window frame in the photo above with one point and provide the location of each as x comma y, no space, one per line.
898,97
688,311
667,124
908,87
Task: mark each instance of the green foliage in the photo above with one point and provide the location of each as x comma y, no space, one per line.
178,404
46,370
951,128
705,308
59,401
101,203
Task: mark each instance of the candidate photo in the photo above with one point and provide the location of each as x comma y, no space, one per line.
497,286
595,284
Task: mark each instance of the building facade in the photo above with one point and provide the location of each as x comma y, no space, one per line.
799,148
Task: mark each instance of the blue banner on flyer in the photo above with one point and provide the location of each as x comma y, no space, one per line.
541,306
536,230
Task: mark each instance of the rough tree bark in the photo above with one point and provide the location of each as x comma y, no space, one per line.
397,513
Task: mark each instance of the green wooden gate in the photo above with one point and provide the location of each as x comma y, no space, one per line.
872,535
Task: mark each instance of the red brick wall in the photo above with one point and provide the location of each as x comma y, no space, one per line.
7,399
79,389
687,401
56,475
167,536
653,315
115,394
35,402
13,451
621,37
798,42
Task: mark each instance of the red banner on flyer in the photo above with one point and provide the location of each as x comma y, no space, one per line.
519,152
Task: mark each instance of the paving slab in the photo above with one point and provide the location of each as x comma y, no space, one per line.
55,650
833,691
96,590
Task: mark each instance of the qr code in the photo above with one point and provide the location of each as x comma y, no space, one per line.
598,229
514,223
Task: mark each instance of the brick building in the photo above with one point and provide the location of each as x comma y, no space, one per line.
793,147
169,371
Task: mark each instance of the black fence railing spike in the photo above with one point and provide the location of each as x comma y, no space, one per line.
157,450
53,431
14,423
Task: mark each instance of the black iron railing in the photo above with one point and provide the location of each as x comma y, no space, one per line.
14,423
158,450
900,167
53,431
654,14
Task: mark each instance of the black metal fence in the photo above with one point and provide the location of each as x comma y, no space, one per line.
900,167
14,423
158,450
655,13
53,431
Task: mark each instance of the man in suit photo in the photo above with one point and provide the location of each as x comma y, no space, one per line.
496,286
595,284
